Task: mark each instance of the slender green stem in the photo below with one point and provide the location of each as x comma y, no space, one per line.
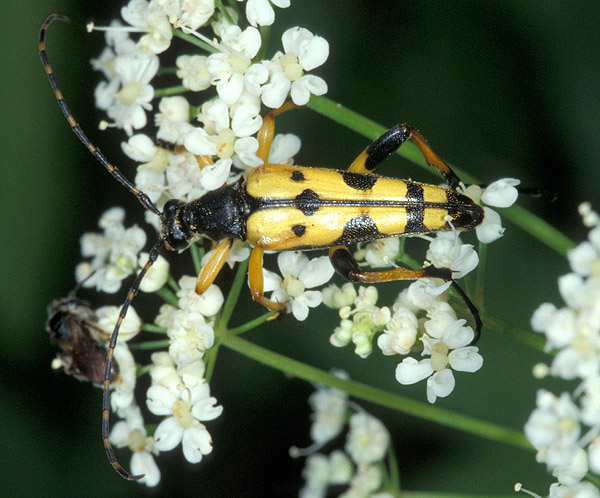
519,216
173,284
394,474
210,360
168,296
252,323
522,335
464,423
171,90
425,494
142,370
194,41
480,280
150,327
167,70
232,297
265,35
160,344
197,255
219,5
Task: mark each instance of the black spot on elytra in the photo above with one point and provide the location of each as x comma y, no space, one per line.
358,229
299,230
415,210
359,181
298,176
307,202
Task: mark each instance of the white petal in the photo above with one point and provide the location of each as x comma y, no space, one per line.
168,434
501,193
491,228
440,384
305,86
411,371
143,462
317,272
159,400
196,443
466,359
207,409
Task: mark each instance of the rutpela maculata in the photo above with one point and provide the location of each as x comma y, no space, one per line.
284,208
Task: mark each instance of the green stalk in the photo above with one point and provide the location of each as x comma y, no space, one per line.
519,334
172,90
524,219
168,296
194,41
424,411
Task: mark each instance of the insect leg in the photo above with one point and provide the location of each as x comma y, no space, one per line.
346,265
267,130
213,266
256,281
390,141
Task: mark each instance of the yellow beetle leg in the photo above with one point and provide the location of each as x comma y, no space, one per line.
203,161
256,280
213,266
390,141
267,131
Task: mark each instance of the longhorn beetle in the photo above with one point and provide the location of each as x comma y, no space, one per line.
284,208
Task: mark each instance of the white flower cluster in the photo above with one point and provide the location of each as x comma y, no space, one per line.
444,337
555,427
204,136
361,467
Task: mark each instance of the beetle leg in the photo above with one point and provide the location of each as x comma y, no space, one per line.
203,161
213,266
390,141
346,265
256,280
267,130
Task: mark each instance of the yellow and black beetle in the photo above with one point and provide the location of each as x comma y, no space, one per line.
283,208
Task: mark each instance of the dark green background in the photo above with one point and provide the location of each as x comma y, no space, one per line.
499,89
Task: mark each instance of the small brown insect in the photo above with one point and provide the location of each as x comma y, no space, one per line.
73,327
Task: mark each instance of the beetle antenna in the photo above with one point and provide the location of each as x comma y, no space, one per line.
472,309
133,290
113,170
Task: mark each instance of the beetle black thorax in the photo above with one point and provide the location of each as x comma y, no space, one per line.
218,214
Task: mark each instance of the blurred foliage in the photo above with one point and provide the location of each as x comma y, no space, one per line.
498,88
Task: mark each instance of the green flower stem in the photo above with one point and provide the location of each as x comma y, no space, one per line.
219,5
480,277
522,335
209,360
519,216
252,323
168,296
173,283
150,327
464,423
197,255
232,297
194,41
161,344
142,370
172,90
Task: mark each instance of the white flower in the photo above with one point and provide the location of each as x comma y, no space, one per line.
130,326
193,73
400,333
329,412
114,253
260,12
448,352
123,393
299,274
131,432
368,439
208,303
127,96
554,421
446,251
157,275
190,337
183,424
501,193
303,52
